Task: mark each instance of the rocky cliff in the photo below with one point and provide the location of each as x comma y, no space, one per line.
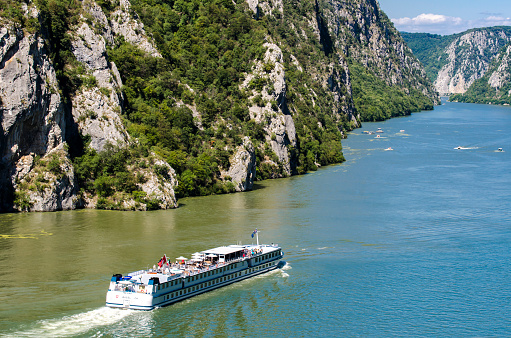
495,85
126,105
461,59
469,57
365,34
41,122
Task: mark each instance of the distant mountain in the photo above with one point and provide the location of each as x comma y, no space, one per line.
495,86
455,62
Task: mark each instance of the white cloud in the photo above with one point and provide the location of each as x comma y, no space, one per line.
496,21
444,25
431,23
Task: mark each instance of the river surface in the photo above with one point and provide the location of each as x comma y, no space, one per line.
414,241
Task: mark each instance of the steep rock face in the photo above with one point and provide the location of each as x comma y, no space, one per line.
100,22
365,34
500,76
495,86
161,188
46,184
266,7
469,57
36,172
32,114
272,107
243,167
96,108
128,26
298,90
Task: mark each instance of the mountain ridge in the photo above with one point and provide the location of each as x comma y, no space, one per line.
456,63
147,101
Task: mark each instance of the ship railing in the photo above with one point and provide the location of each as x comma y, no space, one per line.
220,264
136,273
124,288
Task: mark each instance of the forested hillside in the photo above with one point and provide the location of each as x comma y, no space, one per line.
123,104
430,50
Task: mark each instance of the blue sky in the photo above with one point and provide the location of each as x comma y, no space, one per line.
446,16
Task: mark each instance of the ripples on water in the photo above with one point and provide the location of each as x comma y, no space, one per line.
409,242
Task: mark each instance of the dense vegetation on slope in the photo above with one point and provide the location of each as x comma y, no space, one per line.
190,106
429,49
377,102
209,46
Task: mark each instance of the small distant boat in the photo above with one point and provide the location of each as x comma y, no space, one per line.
402,131
500,149
389,148
458,147
379,130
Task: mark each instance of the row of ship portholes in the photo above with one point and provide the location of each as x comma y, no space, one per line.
211,283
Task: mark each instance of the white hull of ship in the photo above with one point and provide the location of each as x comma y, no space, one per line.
169,295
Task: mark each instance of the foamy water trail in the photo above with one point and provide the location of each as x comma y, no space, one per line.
284,268
466,148
73,325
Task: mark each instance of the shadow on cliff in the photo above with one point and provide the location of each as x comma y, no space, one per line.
324,35
7,192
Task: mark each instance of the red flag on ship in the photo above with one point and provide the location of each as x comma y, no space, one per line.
162,261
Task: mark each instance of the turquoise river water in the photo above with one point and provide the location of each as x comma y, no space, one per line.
413,241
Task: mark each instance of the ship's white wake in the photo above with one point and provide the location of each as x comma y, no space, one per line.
284,268
74,325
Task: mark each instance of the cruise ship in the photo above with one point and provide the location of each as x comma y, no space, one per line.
168,283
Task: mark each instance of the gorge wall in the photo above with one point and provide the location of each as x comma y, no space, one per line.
458,61
129,105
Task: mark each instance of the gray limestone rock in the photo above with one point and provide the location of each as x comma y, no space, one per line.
501,76
32,117
97,109
54,189
161,185
469,57
123,23
243,167
278,123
